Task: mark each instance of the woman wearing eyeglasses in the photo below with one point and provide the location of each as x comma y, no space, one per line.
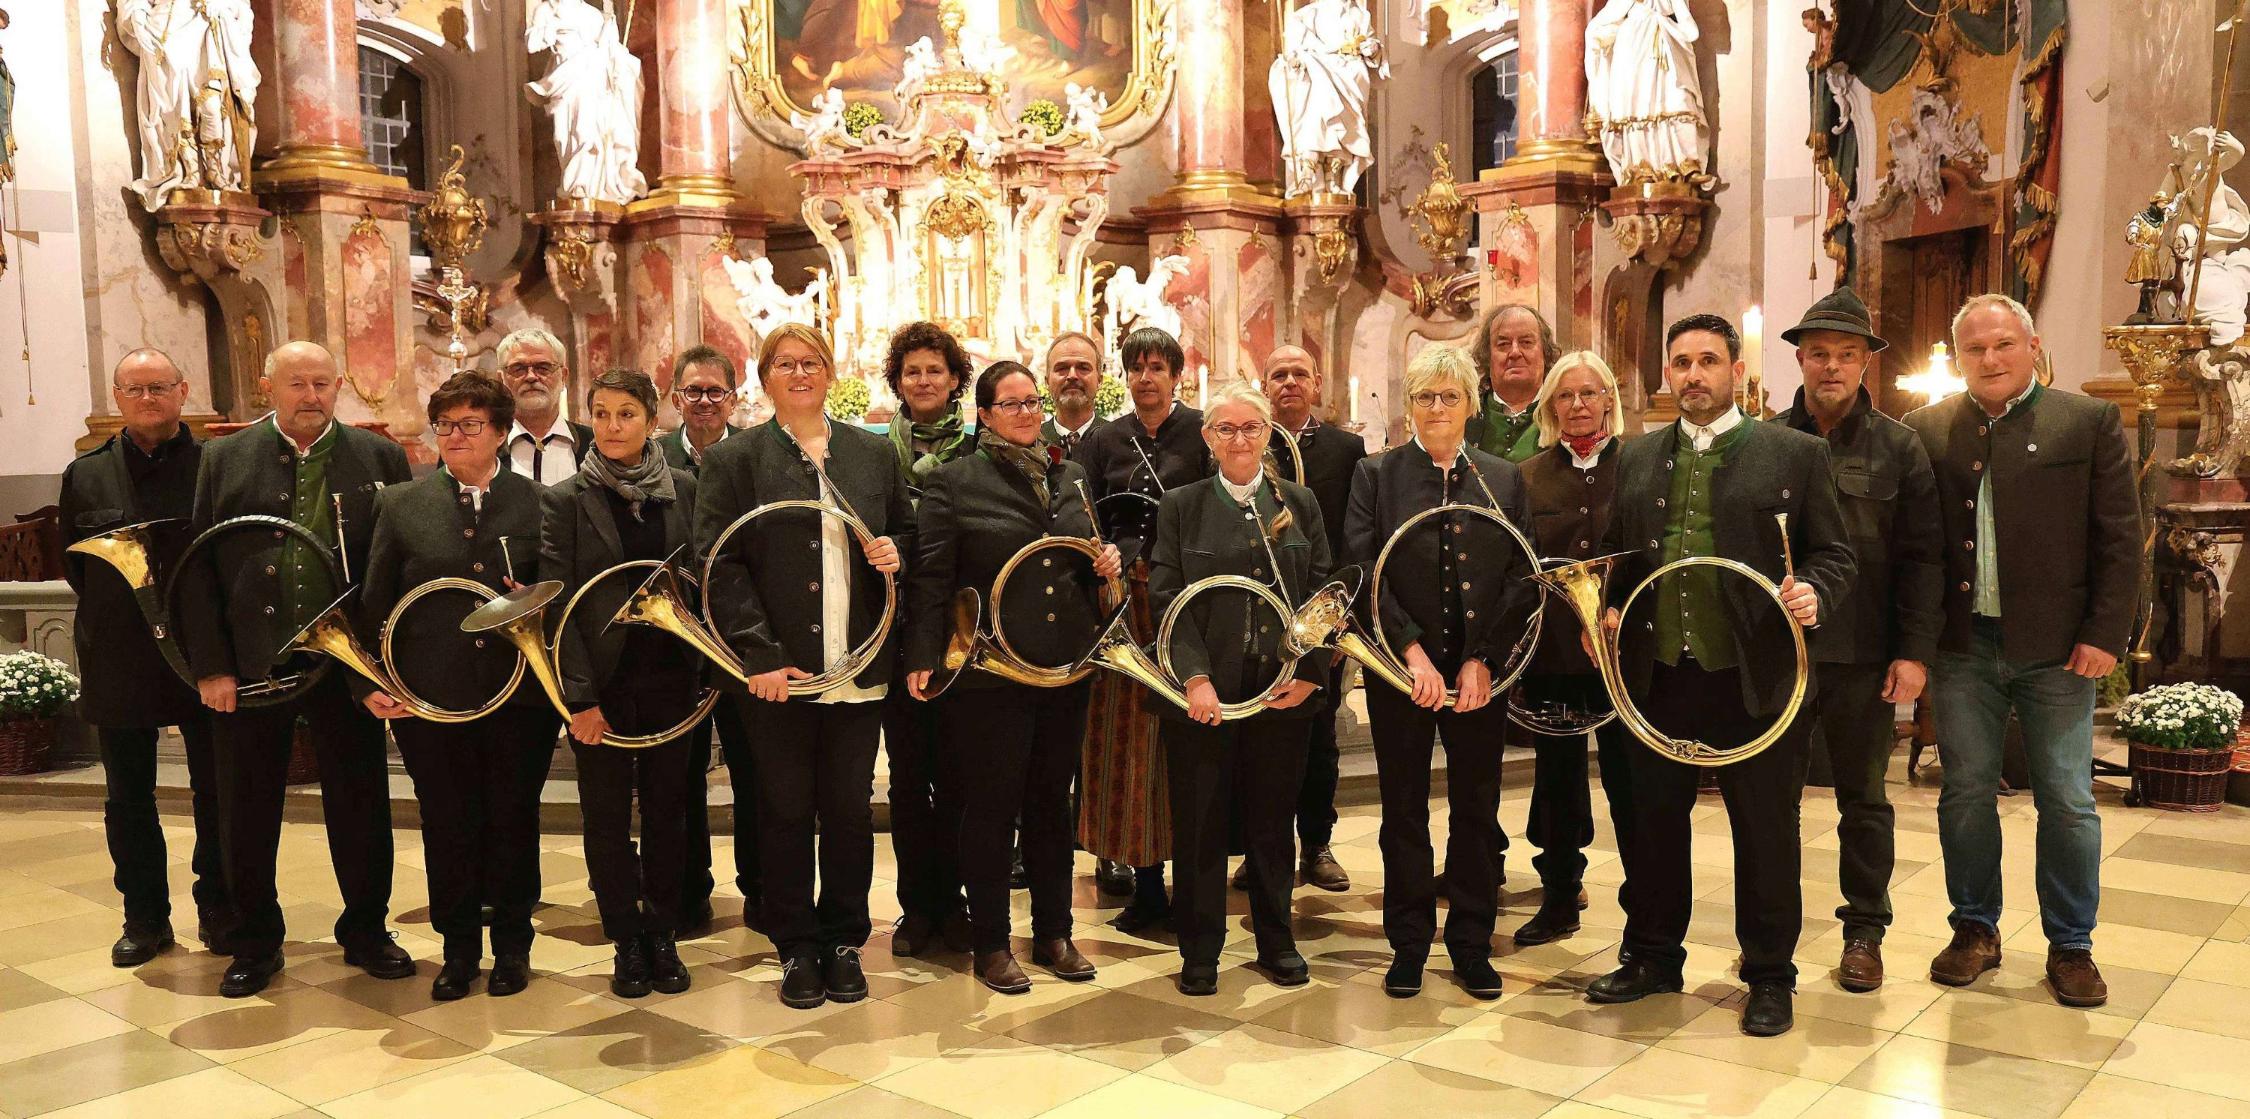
793,595
1226,648
1015,746
1124,817
1454,605
927,370
1571,485
478,782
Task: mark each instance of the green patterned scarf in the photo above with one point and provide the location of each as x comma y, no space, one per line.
946,438
1032,460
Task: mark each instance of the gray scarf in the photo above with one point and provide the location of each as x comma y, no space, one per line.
648,480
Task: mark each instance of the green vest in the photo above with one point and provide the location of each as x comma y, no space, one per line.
1514,438
305,586
1691,614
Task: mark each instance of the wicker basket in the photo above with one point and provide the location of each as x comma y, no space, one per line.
2181,780
24,744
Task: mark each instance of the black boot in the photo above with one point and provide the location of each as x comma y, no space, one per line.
1632,982
454,980
665,971
629,976
1556,919
802,984
1404,979
141,942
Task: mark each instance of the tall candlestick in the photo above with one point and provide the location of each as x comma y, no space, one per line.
1753,360
1353,392
1203,386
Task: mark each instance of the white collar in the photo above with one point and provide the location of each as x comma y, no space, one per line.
1242,495
274,418
1589,461
1081,430
1457,453
562,430
476,487
1701,436
1514,413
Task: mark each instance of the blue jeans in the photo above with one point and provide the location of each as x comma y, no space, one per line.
1973,693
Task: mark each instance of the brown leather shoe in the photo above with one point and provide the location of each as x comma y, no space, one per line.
1062,957
999,971
1974,951
1321,869
1861,969
2077,982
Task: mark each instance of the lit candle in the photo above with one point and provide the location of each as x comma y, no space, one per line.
1355,398
1753,358
1203,386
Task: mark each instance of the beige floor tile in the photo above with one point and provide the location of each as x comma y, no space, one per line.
1267,1068
869,1040
64,936
595,1057
20,989
1001,1078
2148,949
870,1102
48,904
1851,1103
1137,1097
2220,962
589,1108
1403,1086
1362,1016
2023,975
2199,883
1960,1078
741,1083
2110,1096
348,1061
1124,1030
78,973
744,1010
284,1015
1662,1084
2212,1008
214,1093
2161,911
59,1024
2045,1032
1527,1053
963,999
484,1087
490,1024
2190,1059
1817,1049
91,1070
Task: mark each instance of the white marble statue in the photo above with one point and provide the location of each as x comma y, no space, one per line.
197,93
1083,106
1320,83
982,52
1135,303
825,127
1644,99
921,62
593,91
2223,293
765,304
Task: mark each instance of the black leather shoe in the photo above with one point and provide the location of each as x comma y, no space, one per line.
845,980
1141,918
802,985
1478,978
1199,978
1633,982
1768,1013
454,980
1556,919
911,935
380,958
1113,879
665,971
628,976
1404,979
213,927
140,944
1286,967
248,975
510,975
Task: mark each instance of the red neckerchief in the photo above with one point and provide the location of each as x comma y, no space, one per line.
1583,447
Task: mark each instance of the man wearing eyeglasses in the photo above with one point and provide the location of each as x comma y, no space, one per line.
541,444
704,390
146,472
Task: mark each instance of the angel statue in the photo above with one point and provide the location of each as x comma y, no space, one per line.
1135,303
1644,99
825,127
197,94
2223,292
921,62
1320,83
593,91
765,304
1083,106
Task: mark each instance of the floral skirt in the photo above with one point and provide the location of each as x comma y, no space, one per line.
1124,814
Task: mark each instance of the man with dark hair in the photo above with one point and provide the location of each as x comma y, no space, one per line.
1513,351
1874,650
146,472
1714,661
703,389
1073,376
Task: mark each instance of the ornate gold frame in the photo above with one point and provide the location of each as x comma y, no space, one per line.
1147,85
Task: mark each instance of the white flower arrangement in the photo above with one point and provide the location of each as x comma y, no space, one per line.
2182,717
34,686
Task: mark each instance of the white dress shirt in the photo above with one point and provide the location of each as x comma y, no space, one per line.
1701,436
545,461
836,543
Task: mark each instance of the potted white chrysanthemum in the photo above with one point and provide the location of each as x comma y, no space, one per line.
2182,738
33,690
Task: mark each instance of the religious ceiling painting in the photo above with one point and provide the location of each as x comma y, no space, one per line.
1905,90
788,53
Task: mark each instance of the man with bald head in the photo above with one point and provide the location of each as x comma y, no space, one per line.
248,593
145,472
1293,384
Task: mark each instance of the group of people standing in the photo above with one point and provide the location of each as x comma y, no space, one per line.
1895,536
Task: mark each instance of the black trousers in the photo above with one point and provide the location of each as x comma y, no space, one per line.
636,890
816,770
136,839
734,745
926,807
1404,735
1016,750
1316,795
355,802
1250,772
1562,806
1857,724
1761,797
478,784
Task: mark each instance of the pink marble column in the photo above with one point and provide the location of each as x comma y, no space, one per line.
692,89
316,80
1209,92
1551,64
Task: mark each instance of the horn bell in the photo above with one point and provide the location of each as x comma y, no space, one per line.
658,602
330,635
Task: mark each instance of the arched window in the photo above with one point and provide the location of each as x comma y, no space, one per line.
391,111
1492,122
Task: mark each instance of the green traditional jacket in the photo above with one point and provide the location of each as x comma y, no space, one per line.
1512,437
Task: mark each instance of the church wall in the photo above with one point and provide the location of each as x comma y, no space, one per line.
1792,197
1725,276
